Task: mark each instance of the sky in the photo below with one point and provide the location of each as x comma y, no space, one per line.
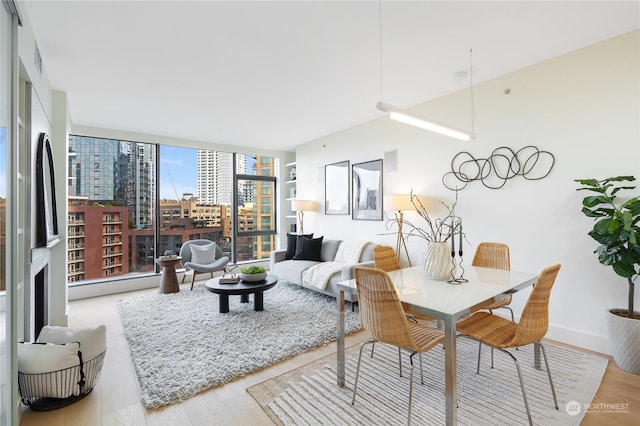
178,169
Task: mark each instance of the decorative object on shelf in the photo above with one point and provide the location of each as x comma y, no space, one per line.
398,203
367,190
336,188
301,206
503,164
292,173
616,230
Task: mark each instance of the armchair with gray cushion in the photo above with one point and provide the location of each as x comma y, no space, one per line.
201,257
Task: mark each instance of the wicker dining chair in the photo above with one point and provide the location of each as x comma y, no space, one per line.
500,333
382,315
385,258
496,256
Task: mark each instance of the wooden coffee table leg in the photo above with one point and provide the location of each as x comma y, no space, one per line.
244,298
224,303
258,301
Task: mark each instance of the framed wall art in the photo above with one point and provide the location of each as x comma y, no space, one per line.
336,188
367,190
46,213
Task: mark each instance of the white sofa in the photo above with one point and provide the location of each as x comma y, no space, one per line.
293,271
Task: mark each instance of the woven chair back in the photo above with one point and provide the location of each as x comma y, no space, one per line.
534,321
381,312
492,255
385,258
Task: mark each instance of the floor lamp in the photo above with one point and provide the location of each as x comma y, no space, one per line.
399,203
301,206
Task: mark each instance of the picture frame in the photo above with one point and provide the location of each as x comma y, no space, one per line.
46,207
336,188
367,190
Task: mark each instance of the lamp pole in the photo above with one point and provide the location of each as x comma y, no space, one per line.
400,240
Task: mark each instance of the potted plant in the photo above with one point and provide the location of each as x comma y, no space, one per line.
253,274
617,230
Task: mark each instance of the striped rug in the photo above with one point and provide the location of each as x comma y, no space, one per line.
310,396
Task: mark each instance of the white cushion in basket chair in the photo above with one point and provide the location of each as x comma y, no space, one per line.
35,358
93,341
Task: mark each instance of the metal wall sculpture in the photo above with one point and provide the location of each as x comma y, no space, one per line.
503,164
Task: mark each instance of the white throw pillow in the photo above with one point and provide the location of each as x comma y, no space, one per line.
35,358
203,255
93,341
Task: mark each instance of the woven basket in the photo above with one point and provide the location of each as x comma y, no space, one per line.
33,386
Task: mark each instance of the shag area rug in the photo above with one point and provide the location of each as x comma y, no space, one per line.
181,345
309,395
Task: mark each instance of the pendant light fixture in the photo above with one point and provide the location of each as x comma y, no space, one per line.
412,119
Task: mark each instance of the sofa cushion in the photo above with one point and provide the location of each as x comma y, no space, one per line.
311,248
291,270
329,250
291,244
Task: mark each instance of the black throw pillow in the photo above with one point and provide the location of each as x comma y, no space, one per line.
299,241
311,248
291,244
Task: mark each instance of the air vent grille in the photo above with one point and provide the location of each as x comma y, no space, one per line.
38,61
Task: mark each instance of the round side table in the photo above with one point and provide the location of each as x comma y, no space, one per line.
169,279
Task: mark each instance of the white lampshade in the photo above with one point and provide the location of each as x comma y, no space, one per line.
302,205
398,202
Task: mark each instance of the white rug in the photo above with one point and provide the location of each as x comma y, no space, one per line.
180,345
492,397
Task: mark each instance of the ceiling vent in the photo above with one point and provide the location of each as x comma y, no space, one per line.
38,61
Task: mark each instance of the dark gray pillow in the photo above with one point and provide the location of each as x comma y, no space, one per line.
311,248
292,244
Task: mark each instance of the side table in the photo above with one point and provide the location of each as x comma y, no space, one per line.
169,279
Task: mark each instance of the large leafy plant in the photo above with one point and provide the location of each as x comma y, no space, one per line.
617,228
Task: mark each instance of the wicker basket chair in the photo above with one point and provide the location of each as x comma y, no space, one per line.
500,333
496,256
382,315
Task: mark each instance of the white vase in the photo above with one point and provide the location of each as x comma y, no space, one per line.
624,336
437,262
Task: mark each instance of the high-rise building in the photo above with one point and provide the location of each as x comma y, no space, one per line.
114,172
215,176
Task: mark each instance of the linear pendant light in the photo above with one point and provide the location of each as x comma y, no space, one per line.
414,120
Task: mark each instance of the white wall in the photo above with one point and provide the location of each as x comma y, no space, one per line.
582,107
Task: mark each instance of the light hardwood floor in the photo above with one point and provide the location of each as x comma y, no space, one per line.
116,401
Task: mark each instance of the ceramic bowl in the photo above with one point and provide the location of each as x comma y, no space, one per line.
253,277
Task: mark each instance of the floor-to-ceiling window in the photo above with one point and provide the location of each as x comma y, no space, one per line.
116,228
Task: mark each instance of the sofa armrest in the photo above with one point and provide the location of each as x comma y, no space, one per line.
275,257
347,270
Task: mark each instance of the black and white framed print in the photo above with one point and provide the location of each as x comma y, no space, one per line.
367,190
336,188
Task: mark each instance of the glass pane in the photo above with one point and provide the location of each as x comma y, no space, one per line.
111,208
195,197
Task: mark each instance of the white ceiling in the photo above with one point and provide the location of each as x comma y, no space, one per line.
277,74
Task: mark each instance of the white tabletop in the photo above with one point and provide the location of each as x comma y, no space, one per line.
440,298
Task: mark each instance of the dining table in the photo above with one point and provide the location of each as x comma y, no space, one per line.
446,301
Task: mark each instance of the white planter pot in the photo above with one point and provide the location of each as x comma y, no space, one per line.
624,336
437,262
